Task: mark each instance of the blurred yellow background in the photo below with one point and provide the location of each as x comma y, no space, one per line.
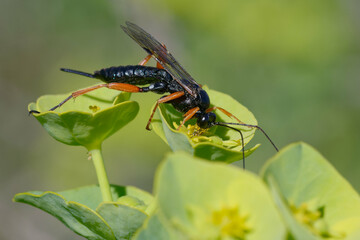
294,64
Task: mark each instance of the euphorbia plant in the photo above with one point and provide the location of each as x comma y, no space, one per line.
95,212
88,122
298,194
216,143
313,198
198,199
305,198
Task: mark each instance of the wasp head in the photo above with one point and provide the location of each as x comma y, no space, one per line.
206,120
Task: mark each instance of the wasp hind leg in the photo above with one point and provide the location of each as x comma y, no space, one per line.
116,86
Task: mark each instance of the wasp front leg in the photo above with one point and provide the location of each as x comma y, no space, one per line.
230,115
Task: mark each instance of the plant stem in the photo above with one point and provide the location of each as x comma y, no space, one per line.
101,174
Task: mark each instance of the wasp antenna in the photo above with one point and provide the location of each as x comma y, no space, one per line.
77,72
242,139
253,126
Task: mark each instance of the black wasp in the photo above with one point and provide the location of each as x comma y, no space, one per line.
185,94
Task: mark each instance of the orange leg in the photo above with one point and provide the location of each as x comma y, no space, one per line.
116,86
165,99
158,65
225,112
188,112
188,115
125,87
147,59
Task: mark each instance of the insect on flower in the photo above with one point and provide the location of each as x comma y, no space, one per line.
184,93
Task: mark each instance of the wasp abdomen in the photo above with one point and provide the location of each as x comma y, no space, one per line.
136,75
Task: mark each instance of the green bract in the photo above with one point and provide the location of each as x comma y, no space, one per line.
83,211
88,120
202,200
195,199
218,143
314,199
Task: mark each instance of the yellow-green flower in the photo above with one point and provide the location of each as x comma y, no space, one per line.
89,119
217,143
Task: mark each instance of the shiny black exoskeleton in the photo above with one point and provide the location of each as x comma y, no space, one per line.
159,81
133,74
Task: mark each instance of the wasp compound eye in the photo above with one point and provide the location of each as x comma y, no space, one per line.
212,117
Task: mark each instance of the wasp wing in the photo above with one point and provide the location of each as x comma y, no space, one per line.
160,53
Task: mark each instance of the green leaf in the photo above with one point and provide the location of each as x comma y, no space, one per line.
122,219
218,143
91,195
83,211
89,120
204,200
140,199
314,199
122,97
155,228
79,218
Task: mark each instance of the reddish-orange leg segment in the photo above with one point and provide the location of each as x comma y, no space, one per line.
116,86
188,115
158,65
147,59
165,99
225,112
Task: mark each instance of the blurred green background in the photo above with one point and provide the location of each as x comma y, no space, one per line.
294,64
